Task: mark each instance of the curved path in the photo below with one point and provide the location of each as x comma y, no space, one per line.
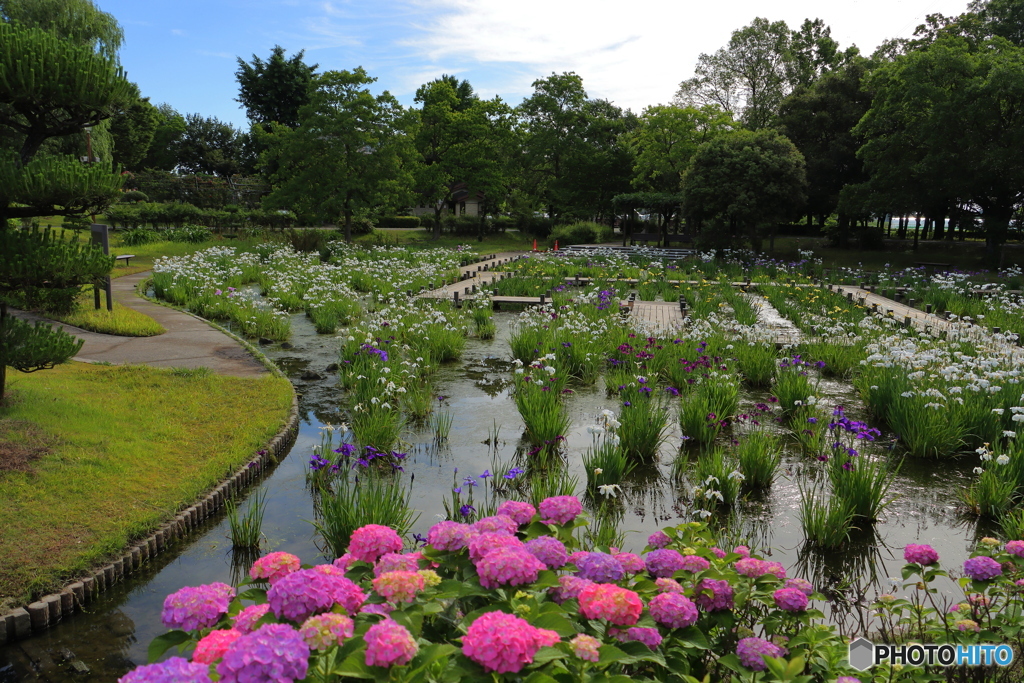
188,343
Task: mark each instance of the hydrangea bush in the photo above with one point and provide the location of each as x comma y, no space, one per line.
526,604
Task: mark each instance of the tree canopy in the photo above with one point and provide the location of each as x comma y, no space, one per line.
273,91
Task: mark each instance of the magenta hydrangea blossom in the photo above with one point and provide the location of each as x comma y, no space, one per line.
569,587
389,643
560,509
631,562
399,586
742,550
982,568
324,631
753,567
504,643
311,591
618,605
659,539
802,585
382,609
1015,548
173,670
214,644
521,512
599,567
273,652
196,607
790,599
673,610
640,634
586,647
548,550
497,523
395,562
664,562
484,543
719,553
508,567
920,554
752,652
448,535
574,558
713,595
695,563
274,566
847,679
668,585
345,562
373,540
245,621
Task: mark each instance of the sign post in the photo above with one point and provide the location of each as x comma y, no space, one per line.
101,238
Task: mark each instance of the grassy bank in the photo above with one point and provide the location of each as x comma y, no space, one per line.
123,321
87,471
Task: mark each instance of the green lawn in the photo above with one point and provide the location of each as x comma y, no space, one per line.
122,447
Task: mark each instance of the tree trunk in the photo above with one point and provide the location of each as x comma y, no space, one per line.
437,222
348,227
997,224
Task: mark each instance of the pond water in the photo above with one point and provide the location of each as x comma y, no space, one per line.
112,635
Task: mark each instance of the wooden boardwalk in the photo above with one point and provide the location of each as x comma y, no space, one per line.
657,317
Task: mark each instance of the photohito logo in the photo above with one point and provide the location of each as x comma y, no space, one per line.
864,654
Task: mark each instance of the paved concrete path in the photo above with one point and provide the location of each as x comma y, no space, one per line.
188,343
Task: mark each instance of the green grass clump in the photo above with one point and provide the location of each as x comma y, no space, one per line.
122,321
112,475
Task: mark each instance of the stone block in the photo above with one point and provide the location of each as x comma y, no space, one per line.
39,615
52,603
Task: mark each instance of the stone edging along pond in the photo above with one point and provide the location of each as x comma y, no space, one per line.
22,622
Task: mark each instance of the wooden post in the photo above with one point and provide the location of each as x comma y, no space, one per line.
457,304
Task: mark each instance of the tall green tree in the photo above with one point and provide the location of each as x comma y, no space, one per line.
77,21
351,152
132,131
741,185
209,145
273,91
162,153
950,119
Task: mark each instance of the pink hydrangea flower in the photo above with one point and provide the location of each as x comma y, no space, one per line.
664,562
753,567
274,566
673,610
713,595
574,558
389,643
521,512
659,539
719,553
393,562
508,566
920,554
847,679
641,634
504,643
548,550
345,562
1015,548
373,540
311,591
742,550
273,652
196,607
324,631
695,563
802,585
245,621
982,568
668,585
448,535
631,562
967,625
586,647
213,646
484,543
172,670
790,599
620,606
752,652
560,509
383,609
399,586
599,567
569,587
497,523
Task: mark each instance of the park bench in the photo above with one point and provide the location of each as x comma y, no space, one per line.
124,257
645,237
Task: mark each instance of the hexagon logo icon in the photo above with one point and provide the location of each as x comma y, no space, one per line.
862,654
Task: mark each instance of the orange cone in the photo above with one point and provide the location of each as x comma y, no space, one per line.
535,245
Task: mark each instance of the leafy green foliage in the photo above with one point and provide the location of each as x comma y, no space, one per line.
273,91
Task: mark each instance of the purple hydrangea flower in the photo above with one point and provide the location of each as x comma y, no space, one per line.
752,652
498,523
311,591
632,563
560,509
659,539
713,595
791,599
274,652
569,587
648,636
1015,548
599,567
173,670
695,563
664,562
196,607
548,550
982,568
673,610
802,585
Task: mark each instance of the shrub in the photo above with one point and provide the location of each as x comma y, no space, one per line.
192,234
584,232
134,197
139,236
407,222
123,215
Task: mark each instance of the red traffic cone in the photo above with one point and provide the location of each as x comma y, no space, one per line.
556,245
535,245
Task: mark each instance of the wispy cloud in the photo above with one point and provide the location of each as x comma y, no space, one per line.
178,32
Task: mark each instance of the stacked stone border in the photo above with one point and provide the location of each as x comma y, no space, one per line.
36,617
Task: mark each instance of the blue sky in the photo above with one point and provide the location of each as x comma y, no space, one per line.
633,52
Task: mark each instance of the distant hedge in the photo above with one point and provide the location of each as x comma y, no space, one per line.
178,214
407,222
